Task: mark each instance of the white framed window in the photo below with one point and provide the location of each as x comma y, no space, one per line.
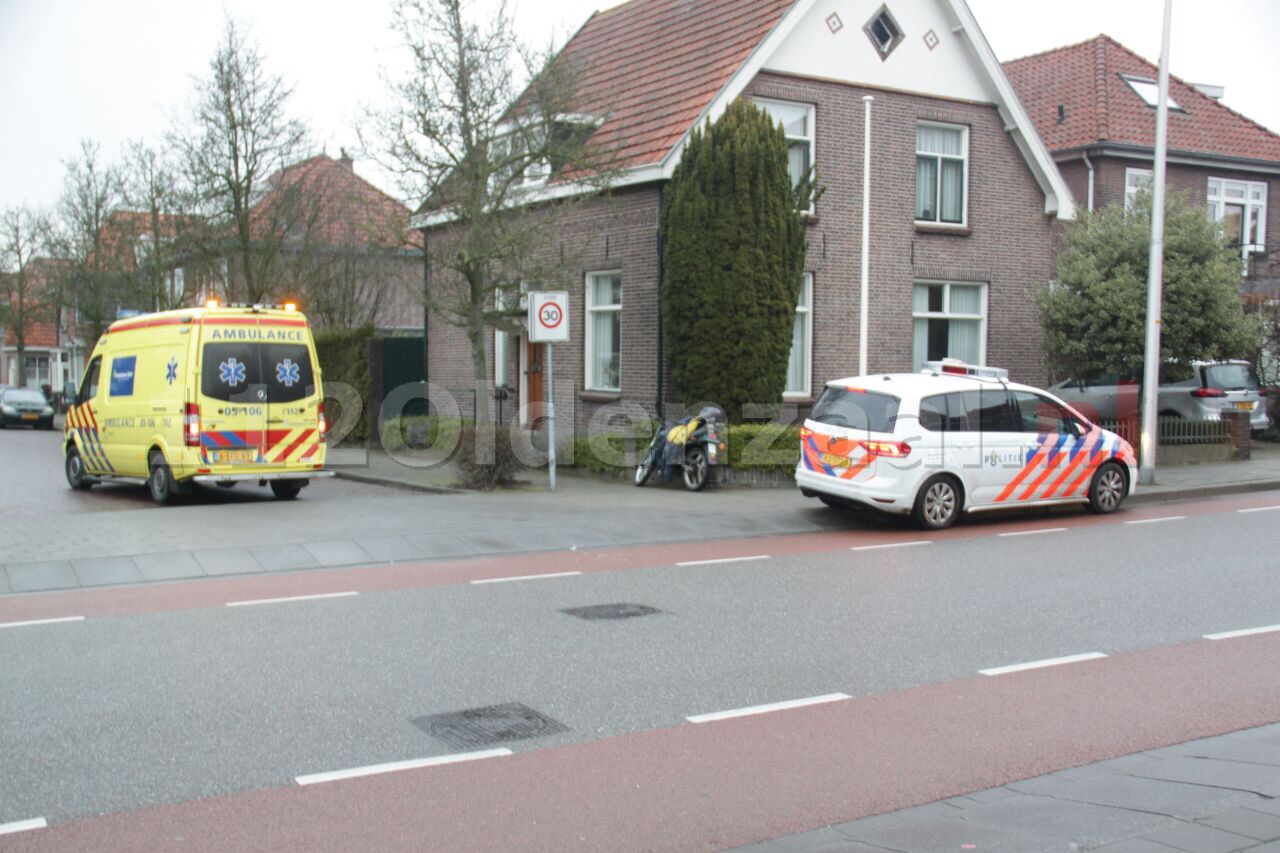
604,331
1241,207
797,122
800,363
1135,181
950,322
942,173
1149,91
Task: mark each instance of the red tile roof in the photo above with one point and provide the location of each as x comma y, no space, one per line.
1101,107
650,67
351,210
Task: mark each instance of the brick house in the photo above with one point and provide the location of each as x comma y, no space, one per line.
963,195
1094,105
52,353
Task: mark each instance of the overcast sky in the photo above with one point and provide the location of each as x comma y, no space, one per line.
113,71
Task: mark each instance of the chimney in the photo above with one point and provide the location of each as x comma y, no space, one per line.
345,159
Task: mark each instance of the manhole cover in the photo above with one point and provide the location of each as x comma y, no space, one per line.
478,727
622,610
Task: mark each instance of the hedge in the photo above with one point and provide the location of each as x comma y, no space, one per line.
421,431
344,357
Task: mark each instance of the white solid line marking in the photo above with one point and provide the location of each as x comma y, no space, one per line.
1157,520
256,601
1259,509
765,709
528,577
1247,632
723,560
392,767
1034,532
22,825
1037,664
892,545
41,622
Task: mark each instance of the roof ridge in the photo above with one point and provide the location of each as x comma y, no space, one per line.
1101,105
1041,53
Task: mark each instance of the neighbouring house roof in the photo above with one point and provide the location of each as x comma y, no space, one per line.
340,207
1088,80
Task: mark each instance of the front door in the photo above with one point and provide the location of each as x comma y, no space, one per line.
533,398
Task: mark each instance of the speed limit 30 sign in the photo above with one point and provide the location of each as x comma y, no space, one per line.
548,317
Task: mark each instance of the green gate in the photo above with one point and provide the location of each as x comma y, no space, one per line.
404,361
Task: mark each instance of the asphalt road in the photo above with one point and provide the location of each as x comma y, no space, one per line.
167,696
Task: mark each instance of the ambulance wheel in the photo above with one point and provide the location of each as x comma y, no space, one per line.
76,475
1107,490
285,490
160,480
938,503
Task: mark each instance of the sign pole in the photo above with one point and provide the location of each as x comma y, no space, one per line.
551,414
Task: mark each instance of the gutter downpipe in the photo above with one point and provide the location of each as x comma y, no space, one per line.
1089,165
661,275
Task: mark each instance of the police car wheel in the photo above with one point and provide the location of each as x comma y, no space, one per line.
76,476
285,490
160,481
937,504
1107,490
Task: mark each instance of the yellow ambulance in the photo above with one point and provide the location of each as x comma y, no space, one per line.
220,394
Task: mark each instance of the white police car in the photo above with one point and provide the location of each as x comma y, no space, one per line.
956,438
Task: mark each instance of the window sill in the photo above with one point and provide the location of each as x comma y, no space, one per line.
938,228
798,399
589,396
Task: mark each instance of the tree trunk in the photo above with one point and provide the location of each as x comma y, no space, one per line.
483,415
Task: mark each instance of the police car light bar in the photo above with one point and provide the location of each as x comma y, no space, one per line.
957,367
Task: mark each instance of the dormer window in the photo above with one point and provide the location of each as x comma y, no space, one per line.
883,31
1149,91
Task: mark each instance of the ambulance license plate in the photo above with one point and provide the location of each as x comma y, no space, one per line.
835,461
1247,407
243,454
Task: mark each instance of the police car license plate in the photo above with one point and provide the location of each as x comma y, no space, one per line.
30,417
1248,407
835,461
249,454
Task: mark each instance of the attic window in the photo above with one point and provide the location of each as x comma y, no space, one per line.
884,32
1149,91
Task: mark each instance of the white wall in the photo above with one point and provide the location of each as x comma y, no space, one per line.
949,70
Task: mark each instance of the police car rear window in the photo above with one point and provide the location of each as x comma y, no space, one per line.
236,371
856,409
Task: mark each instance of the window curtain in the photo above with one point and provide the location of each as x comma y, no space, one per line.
604,343
926,188
966,300
952,191
964,340
920,345
797,161
939,140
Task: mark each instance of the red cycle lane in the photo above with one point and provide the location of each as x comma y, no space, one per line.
215,592
720,784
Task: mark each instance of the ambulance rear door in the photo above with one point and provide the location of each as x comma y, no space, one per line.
232,395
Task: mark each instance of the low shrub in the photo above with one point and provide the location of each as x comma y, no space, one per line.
766,446
420,432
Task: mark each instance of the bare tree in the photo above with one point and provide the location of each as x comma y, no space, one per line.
239,136
164,233
483,130
95,280
22,235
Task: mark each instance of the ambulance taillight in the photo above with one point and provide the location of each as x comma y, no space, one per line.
191,426
323,422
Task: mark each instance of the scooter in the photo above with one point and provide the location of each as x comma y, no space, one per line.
694,444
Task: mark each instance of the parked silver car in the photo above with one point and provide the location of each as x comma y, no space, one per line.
1199,391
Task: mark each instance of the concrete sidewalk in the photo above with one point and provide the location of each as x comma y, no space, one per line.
423,472
1217,795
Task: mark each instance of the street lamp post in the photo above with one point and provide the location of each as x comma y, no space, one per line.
1155,273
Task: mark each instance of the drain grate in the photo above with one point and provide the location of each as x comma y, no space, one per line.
478,727
621,610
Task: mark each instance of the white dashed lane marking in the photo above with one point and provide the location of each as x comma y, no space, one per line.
1157,520
766,709
394,766
1036,532
1244,632
526,578
22,826
290,599
723,560
1040,664
892,545
31,622
1259,509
